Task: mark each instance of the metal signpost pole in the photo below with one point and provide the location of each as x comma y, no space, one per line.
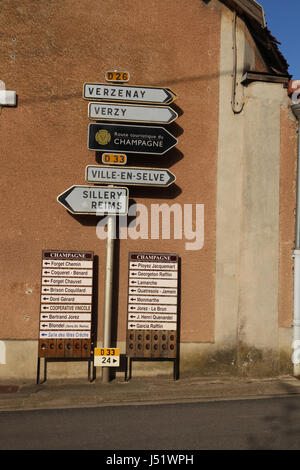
108,292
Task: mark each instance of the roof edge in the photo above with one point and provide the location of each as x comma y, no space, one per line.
249,7
254,17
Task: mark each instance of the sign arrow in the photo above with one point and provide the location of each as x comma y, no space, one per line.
130,176
134,94
123,138
95,200
131,113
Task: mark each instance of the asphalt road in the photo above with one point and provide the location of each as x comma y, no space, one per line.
267,424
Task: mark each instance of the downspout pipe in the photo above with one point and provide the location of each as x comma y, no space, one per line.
234,74
296,318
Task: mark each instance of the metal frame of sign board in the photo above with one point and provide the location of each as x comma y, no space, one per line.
132,106
101,167
130,151
173,95
95,187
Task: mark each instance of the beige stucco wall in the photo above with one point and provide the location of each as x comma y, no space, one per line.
255,203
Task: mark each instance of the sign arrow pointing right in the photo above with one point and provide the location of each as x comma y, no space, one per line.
130,176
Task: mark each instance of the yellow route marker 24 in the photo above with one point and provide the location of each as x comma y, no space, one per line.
117,76
107,357
114,158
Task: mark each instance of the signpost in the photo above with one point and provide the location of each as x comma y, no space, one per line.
129,176
66,296
130,139
152,306
131,113
95,200
125,93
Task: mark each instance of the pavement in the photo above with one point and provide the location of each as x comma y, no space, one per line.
54,394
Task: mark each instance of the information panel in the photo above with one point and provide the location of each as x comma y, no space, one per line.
66,304
152,305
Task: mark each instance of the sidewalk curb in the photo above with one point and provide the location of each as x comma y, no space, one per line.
146,391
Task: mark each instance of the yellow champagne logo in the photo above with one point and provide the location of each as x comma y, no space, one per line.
103,137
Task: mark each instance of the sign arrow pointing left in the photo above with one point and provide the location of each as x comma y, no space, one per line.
95,200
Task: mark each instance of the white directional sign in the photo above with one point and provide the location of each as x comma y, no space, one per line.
152,317
66,296
65,334
95,200
68,281
153,265
77,299
52,263
153,282
151,326
131,113
65,308
135,94
66,316
129,176
152,291
139,299
67,272
66,290
138,274
58,325
152,308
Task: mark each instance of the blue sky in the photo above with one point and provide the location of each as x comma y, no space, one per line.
283,18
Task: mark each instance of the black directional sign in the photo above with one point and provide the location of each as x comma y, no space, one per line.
130,139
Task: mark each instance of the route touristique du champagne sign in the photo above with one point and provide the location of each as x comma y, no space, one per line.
130,139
